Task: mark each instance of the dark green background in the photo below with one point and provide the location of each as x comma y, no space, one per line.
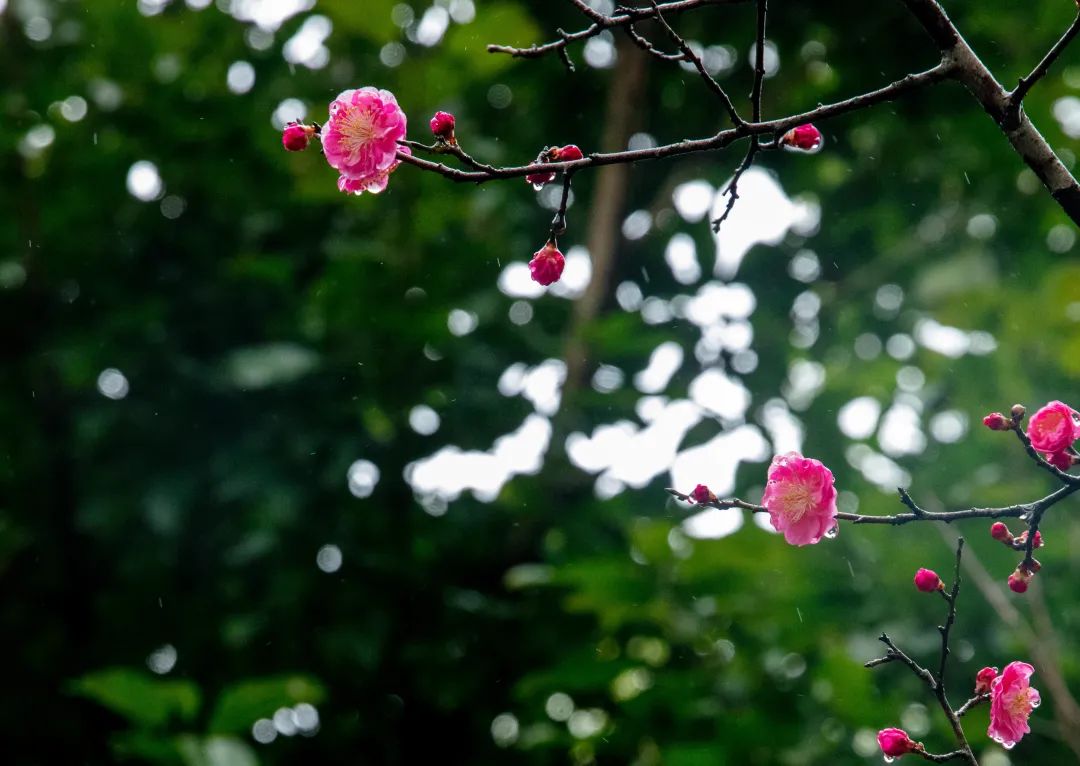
270,339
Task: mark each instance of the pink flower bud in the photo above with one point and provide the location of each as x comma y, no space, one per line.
1038,543
567,153
805,138
539,179
995,421
984,678
927,581
1018,581
296,137
701,494
442,126
895,742
1000,532
547,264
1062,461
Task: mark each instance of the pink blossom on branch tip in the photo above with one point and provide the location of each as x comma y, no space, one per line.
360,139
927,581
896,742
800,497
1012,699
1054,428
547,264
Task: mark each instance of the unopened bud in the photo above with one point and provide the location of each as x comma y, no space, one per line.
1018,580
702,494
927,581
1000,532
984,678
1018,412
442,126
805,138
995,421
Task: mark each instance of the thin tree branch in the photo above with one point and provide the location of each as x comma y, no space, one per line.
602,23
1016,98
974,702
732,189
695,59
759,59
712,143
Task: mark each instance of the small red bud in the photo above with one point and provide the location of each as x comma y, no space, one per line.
547,264
1038,542
1063,461
995,421
927,581
442,126
567,153
295,137
983,679
895,742
1018,581
1031,568
702,494
1000,532
805,138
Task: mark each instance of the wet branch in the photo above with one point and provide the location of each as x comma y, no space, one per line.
1040,70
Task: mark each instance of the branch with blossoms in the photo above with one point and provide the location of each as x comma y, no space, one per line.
1011,697
365,141
800,493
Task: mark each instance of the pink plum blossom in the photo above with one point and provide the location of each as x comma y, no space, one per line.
1011,701
547,264
374,183
361,137
1054,428
800,497
1000,532
895,742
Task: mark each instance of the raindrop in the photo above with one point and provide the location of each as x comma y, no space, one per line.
833,532
889,759
537,187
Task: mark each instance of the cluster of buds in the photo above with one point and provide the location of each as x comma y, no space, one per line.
1019,579
567,153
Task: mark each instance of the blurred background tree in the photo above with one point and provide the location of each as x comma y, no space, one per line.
289,476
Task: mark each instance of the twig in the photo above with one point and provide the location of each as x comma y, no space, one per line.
641,42
602,23
975,701
719,141
759,59
732,189
1016,98
936,683
558,223
695,59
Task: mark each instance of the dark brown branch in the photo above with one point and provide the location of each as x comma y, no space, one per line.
558,223
1025,138
972,703
719,141
695,59
1016,98
641,42
1063,476
601,23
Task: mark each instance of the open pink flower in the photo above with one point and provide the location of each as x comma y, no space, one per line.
801,498
1054,428
1011,701
360,139
374,183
